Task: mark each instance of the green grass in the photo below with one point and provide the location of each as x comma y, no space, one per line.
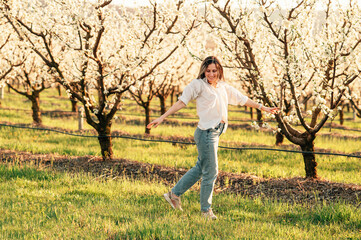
42,204
240,136
260,163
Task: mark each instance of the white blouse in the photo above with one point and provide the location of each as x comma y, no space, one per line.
212,103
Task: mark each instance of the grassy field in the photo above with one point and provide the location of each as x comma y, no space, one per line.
260,163
42,204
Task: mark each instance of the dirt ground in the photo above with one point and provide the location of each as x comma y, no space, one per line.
292,190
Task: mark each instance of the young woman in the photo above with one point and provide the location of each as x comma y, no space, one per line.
212,97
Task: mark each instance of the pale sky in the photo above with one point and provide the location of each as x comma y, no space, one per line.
286,3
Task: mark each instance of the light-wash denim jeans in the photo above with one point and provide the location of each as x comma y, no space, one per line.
205,168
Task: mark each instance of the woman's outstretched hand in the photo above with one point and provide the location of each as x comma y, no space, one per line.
177,106
155,123
272,110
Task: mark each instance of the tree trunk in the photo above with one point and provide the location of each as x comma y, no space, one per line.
35,106
2,92
162,105
172,98
251,112
279,139
59,90
147,119
73,104
309,160
106,145
177,93
259,118
354,114
341,116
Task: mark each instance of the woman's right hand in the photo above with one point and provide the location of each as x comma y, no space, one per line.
177,106
155,123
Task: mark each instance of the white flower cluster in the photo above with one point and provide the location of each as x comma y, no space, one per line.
292,118
255,125
68,93
266,125
87,102
277,130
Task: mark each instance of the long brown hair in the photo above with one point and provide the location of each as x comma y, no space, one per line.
208,61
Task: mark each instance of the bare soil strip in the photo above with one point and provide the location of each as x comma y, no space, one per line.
292,190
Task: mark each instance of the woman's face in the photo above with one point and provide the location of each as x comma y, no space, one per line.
211,73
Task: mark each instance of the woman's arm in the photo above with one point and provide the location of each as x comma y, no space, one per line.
176,107
253,104
235,97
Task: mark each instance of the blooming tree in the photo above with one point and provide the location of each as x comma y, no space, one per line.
166,81
30,77
68,38
167,26
181,72
97,51
208,40
287,58
6,66
29,80
7,51
354,97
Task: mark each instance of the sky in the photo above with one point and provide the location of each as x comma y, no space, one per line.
132,3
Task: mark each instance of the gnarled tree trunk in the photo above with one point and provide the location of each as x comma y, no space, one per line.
74,103
59,90
35,107
259,118
105,141
162,104
279,138
341,116
172,97
309,160
251,112
147,118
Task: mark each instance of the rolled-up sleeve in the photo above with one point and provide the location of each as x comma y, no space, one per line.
191,91
235,97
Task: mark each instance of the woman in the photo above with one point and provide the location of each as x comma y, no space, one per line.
212,96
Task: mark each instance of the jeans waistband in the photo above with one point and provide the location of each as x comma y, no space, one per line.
219,126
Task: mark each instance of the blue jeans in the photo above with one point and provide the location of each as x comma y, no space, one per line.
205,168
